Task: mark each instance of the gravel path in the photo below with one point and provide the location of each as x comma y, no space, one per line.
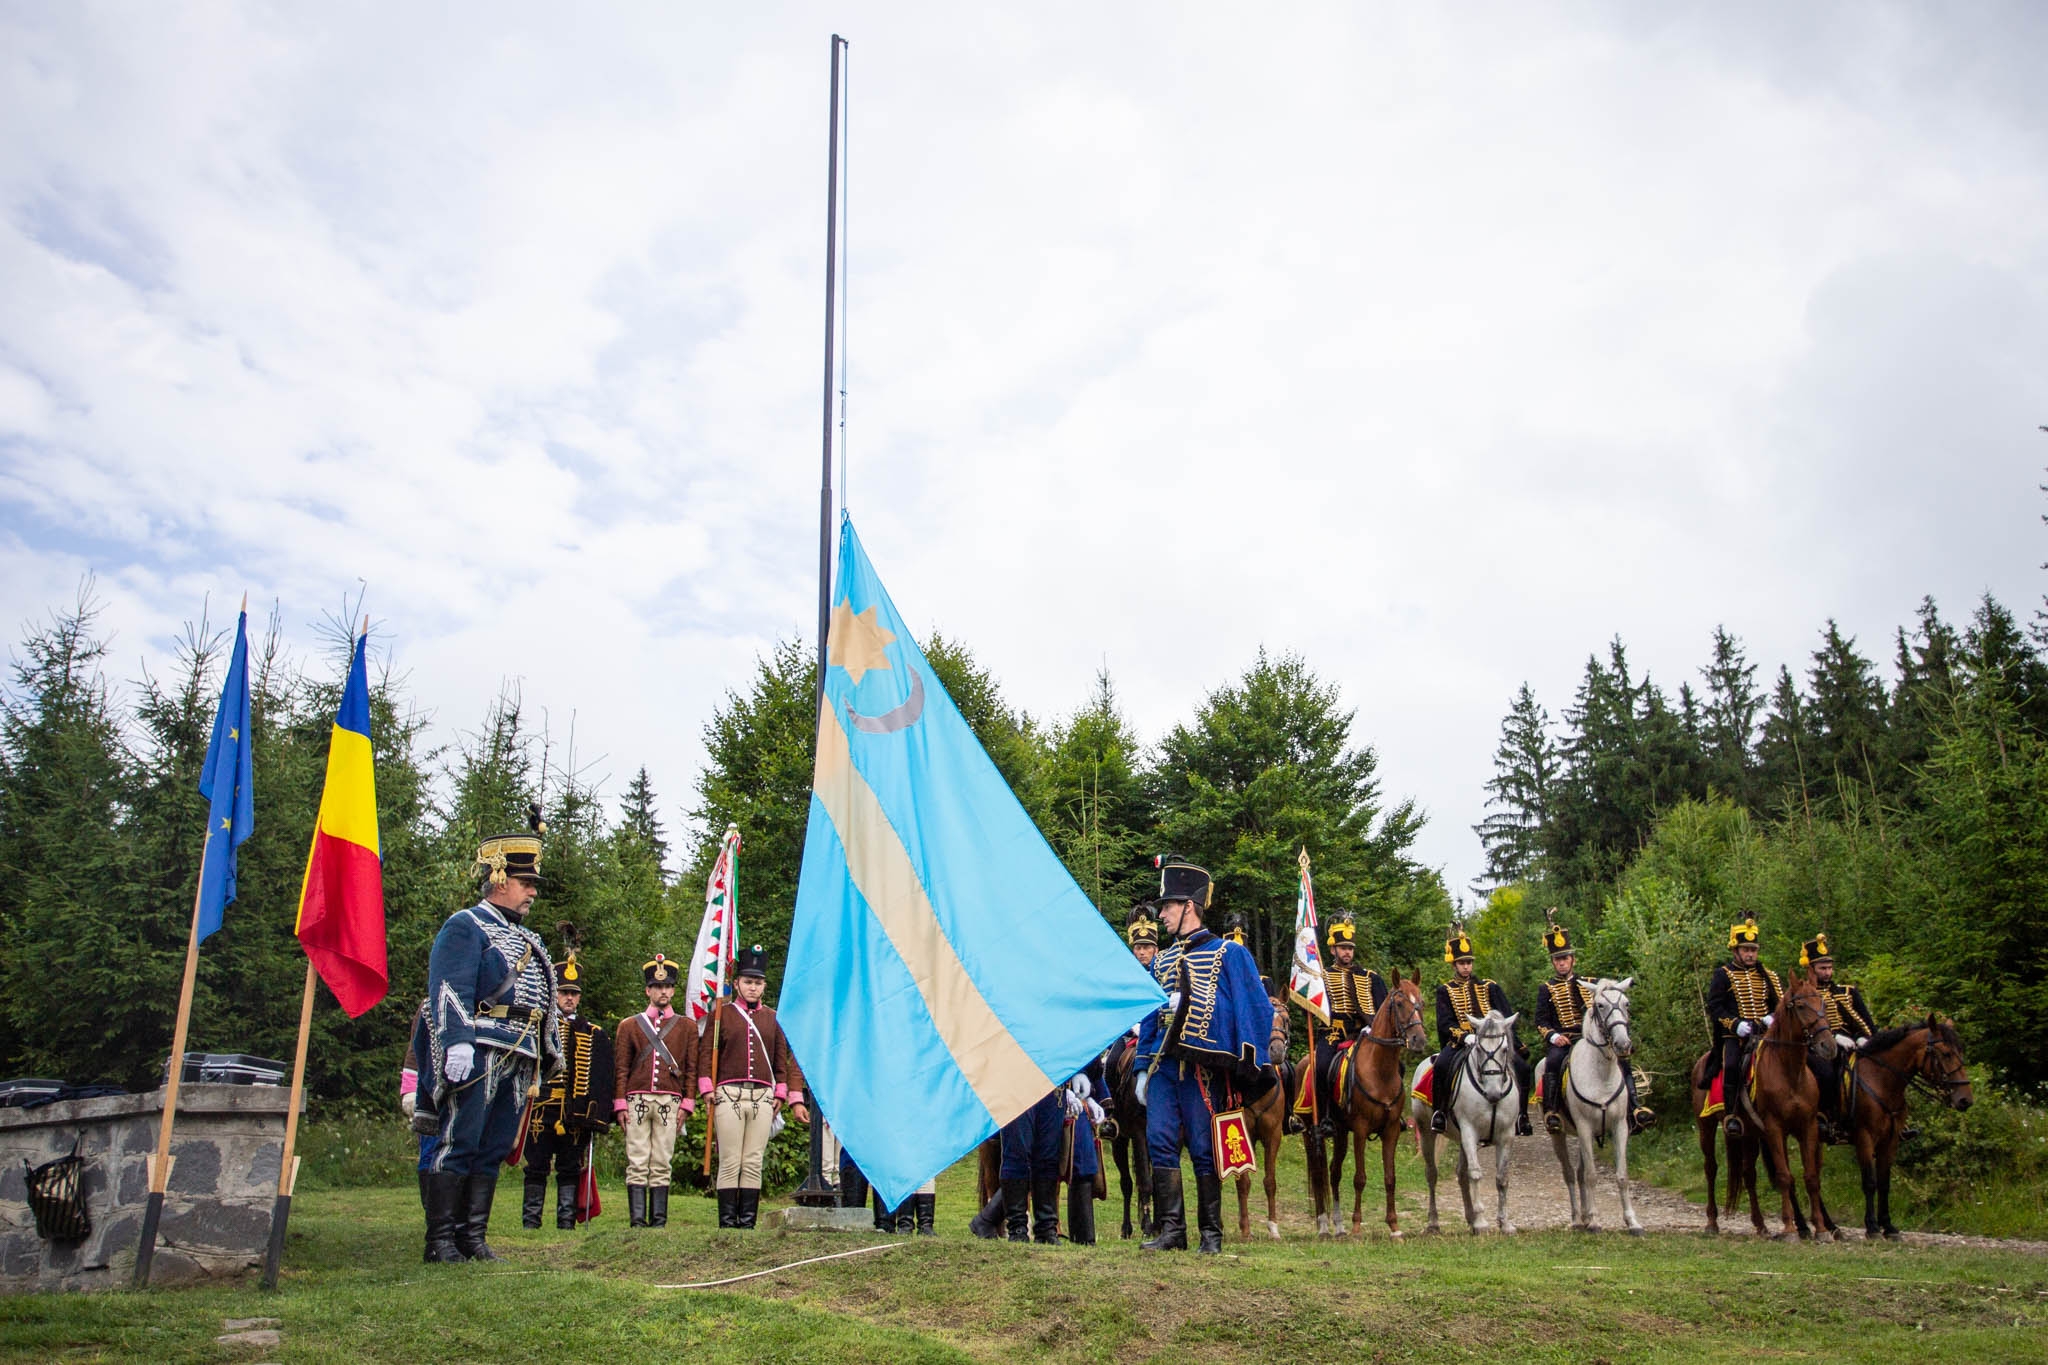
1537,1201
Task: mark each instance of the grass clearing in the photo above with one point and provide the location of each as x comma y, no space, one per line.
354,1290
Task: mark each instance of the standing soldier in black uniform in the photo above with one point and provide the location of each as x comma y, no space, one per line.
1354,997
1848,1019
1467,996
1740,1001
573,1108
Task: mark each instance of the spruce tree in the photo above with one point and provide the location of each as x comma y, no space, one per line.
1525,766
1728,720
1095,813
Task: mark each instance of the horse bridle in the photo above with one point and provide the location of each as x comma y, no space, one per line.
1413,1014
1494,1057
1939,1087
1810,1010
1605,1012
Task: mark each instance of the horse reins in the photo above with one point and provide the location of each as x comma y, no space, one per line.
1604,1014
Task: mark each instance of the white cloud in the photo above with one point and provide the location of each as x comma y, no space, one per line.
1439,348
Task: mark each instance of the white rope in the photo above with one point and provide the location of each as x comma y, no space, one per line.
776,1270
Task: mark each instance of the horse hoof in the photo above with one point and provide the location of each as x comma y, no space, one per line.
1273,1230
1591,1226
1891,1235
1635,1230
1432,1228
1822,1237
1508,1229
1781,1237
1397,1234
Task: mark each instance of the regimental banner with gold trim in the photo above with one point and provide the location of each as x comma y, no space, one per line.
1305,982
1232,1139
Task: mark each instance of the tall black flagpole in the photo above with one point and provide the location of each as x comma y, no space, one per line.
816,1189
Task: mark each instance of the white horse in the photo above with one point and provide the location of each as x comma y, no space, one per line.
1485,1109
1596,1103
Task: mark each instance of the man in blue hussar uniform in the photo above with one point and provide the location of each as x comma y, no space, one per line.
493,1027
1202,1053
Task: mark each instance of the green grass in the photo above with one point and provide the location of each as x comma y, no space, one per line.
355,1290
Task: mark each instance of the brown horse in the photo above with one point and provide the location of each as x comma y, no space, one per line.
1787,1105
1372,1104
1126,1133
1928,1055
1267,1119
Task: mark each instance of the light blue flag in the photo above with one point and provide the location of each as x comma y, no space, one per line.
945,972
226,784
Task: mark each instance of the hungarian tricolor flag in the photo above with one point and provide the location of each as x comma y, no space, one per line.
341,904
720,930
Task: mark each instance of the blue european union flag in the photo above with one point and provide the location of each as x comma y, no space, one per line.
945,972
225,783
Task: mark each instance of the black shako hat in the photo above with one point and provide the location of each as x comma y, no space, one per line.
514,855
1181,880
751,962
659,971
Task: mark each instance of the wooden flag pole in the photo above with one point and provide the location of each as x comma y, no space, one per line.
288,1166
160,1165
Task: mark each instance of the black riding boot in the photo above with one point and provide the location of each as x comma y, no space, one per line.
657,1206
1017,1209
636,1206
924,1210
906,1217
565,1200
1170,1209
1209,1212
475,1223
423,1188
1045,1210
536,1199
883,1222
746,1207
1081,1211
1731,1095
443,1193
988,1223
728,1206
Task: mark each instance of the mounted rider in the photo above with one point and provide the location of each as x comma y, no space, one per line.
1848,1019
1741,999
1202,1053
1561,1009
1354,997
1467,996
1141,931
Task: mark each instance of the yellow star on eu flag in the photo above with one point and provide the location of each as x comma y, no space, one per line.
857,642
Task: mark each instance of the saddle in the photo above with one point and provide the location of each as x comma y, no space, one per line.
1425,1082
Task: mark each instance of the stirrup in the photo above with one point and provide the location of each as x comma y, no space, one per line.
1554,1122
1641,1119
1732,1125
1436,1120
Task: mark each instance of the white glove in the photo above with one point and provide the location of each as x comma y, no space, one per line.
1558,1040
1770,1019
1080,1087
407,1104
1095,1114
1072,1102
1466,1041
1173,1003
1860,1044
1144,1080
461,1061
1744,1029
1845,1042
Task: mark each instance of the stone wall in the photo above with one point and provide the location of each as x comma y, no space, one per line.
227,1145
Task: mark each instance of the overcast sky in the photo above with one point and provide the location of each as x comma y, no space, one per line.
1437,345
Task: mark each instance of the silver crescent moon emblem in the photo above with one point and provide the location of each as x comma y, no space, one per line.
902,718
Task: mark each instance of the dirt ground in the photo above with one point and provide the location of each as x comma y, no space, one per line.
1537,1200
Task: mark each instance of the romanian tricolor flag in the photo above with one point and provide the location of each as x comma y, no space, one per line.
341,905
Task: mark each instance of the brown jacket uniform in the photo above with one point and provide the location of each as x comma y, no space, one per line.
759,1053
639,1068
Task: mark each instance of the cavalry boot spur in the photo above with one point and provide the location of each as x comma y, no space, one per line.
1209,1212
444,1206
925,1211
636,1206
536,1199
657,1206
1171,1210
988,1223
474,1222
1017,1209
1045,1210
565,1201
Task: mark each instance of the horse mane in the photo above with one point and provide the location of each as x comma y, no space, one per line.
1884,1040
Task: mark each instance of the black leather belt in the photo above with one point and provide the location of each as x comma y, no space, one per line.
511,1012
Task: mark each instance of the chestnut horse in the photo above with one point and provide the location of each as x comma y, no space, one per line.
1787,1105
1267,1119
1928,1055
1372,1104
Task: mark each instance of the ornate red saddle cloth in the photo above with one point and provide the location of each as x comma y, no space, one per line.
1425,1083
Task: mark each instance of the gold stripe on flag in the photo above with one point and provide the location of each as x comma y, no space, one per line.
998,1069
